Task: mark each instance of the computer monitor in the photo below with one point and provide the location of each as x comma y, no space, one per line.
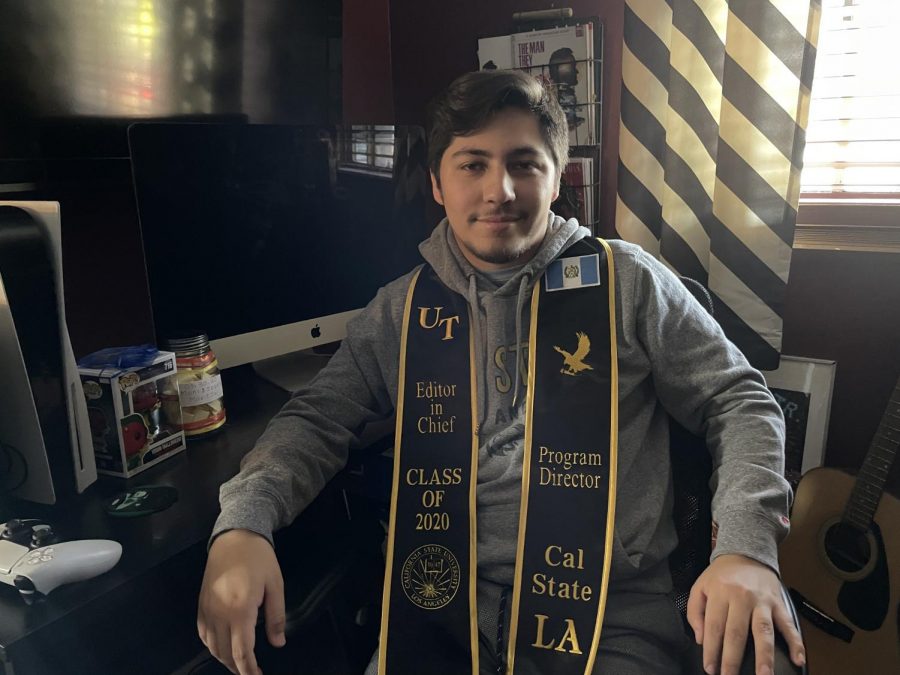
270,237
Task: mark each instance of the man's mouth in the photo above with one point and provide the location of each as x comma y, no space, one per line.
498,218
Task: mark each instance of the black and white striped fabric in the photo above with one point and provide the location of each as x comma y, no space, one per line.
715,101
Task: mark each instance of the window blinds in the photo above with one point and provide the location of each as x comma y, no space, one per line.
372,146
853,136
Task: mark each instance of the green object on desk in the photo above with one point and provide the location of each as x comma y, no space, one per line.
142,501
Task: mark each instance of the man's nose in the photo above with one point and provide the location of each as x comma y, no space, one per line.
498,186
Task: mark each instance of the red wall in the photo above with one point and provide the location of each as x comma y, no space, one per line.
368,96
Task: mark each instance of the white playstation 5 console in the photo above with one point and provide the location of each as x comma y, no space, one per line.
45,439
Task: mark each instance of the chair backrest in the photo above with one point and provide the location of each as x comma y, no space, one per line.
691,471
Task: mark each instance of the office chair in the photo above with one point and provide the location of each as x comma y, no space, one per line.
691,472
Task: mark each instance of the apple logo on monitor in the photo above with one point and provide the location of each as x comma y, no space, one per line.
315,331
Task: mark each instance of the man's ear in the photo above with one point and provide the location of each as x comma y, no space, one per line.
436,189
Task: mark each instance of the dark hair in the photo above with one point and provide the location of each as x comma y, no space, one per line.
471,100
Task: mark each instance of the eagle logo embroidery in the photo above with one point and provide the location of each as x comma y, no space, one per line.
574,363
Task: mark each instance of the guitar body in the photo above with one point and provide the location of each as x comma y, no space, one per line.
862,598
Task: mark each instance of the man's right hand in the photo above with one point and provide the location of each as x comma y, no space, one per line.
242,574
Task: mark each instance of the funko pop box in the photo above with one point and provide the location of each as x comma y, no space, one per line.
133,408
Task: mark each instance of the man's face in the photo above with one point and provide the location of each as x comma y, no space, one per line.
497,185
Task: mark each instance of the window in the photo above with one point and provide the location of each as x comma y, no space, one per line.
369,148
850,185
853,137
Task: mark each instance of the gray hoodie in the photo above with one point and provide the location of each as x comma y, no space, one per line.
673,360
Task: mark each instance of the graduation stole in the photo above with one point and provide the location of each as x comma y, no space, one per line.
429,621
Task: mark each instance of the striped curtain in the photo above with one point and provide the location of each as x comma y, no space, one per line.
715,100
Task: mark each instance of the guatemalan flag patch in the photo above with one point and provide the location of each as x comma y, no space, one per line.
578,272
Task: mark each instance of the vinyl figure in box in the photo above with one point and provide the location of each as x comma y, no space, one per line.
146,401
99,427
136,439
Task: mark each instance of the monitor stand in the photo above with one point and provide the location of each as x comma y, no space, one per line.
292,371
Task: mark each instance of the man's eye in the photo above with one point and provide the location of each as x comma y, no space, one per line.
473,166
525,166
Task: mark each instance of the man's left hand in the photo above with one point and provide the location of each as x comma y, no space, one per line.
732,594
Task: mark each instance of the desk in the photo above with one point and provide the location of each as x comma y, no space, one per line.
141,616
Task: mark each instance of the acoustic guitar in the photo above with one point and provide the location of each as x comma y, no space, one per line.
841,561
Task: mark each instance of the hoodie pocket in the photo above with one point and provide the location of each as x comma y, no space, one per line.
624,564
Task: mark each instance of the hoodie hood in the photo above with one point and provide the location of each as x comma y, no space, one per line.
442,252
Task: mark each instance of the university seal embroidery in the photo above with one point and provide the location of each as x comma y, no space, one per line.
574,363
431,576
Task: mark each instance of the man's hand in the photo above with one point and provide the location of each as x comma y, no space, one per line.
735,592
242,574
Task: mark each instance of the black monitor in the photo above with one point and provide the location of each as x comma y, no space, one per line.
270,237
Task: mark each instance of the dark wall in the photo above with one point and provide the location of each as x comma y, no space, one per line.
843,305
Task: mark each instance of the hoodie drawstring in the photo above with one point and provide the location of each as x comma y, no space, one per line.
478,329
480,356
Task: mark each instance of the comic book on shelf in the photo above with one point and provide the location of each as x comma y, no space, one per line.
576,191
562,57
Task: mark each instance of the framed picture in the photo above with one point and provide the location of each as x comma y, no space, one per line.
803,389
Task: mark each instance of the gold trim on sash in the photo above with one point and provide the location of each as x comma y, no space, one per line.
473,519
526,474
395,483
613,454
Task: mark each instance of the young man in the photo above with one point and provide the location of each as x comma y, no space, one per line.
575,398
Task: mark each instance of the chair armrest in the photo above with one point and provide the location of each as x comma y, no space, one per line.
692,662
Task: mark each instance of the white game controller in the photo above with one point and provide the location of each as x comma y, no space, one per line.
38,571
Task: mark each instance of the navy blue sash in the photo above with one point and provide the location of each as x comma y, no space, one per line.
429,616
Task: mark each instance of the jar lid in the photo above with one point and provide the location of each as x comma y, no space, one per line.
184,341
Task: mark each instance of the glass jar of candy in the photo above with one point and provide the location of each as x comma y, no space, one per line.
200,391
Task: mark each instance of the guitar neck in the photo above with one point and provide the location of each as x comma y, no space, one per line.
874,472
